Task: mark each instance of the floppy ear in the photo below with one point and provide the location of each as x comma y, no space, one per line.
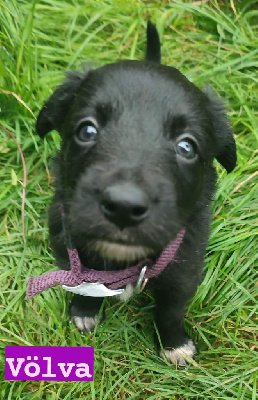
55,109
226,146
153,44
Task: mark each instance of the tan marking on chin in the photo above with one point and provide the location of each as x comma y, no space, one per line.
121,252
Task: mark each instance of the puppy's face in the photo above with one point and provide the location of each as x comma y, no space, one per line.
138,140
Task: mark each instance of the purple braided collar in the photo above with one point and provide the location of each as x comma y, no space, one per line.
111,279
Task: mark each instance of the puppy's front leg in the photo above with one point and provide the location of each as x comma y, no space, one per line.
171,299
85,312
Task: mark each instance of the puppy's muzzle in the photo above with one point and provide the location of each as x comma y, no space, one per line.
124,205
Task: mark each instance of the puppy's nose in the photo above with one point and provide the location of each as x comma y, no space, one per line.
124,205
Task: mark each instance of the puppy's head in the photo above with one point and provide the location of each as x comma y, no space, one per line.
138,141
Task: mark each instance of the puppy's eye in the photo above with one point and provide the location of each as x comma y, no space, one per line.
87,132
186,148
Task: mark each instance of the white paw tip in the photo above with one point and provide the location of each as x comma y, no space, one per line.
182,355
85,323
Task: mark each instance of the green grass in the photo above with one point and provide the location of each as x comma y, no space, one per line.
212,43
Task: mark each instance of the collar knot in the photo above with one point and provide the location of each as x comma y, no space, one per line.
79,274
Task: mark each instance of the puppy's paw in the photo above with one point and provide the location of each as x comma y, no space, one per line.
180,356
84,312
86,324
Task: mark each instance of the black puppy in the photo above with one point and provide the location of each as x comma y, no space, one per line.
135,167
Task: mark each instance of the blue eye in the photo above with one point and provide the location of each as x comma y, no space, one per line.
87,132
186,148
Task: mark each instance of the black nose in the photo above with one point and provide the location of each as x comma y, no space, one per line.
124,205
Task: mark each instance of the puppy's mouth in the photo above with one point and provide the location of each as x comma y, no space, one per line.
121,251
